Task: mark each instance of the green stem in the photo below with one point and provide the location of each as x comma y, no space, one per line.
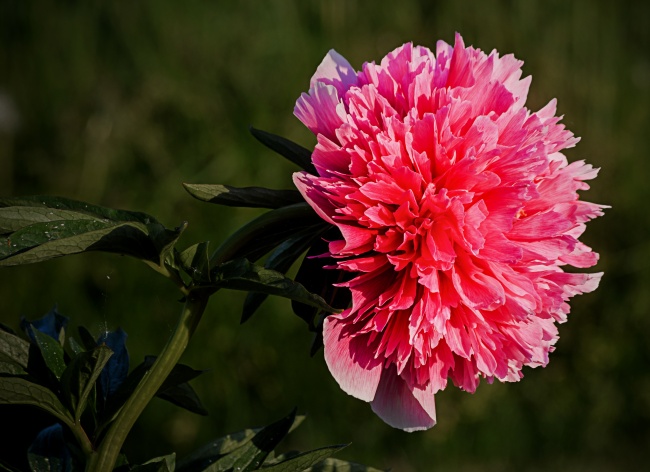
103,460
82,439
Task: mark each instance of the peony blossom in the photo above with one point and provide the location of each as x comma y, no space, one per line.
457,212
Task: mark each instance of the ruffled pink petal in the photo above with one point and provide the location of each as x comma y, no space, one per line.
458,213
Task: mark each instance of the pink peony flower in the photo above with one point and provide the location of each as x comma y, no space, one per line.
457,212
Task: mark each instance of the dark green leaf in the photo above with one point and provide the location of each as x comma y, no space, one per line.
200,459
184,396
252,454
52,352
304,460
252,197
80,376
267,231
87,339
195,260
14,348
280,260
240,274
41,228
286,148
159,464
10,366
318,280
337,465
179,375
42,208
208,454
19,391
75,346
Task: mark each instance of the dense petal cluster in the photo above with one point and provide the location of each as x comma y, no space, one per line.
457,212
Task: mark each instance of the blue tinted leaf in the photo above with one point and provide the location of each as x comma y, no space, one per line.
51,324
117,367
48,452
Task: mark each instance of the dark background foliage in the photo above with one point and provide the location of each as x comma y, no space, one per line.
117,103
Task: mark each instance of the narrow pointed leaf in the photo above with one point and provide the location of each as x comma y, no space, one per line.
52,352
318,280
184,396
280,260
267,231
80,376
252,197
180,374
252,454
200,459
20,391
87,339
305,460
240,274
286,148
159,464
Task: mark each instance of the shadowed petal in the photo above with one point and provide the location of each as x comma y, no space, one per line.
349,361
398,406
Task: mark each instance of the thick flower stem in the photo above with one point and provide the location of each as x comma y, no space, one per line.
103,460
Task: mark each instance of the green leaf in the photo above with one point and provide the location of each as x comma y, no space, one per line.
10,366
200,459
80,376
267,231
195,260
14,348
75,346
252,454
337,465
184,396
323,282
300,462
159,464
87,339
252,197
280,260
20,391
180,374
240,274
51,351
42,227
286,148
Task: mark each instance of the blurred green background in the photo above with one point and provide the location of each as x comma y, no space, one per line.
117,103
